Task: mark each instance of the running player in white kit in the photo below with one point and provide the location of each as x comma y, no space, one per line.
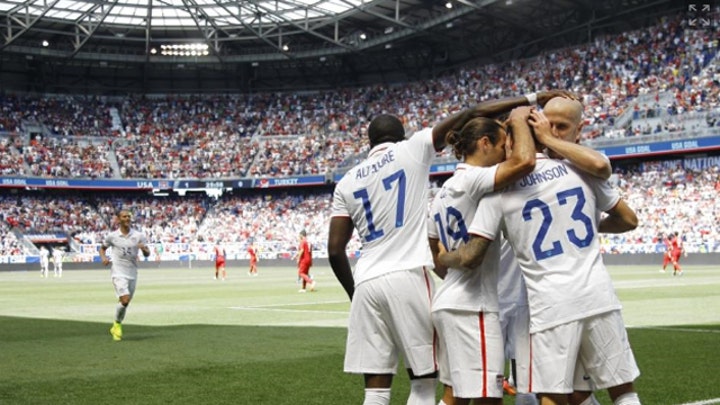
125,243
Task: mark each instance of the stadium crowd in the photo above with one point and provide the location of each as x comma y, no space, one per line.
669,196
319,131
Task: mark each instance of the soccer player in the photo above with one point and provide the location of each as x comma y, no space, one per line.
125,243
677,251
304,261
385,199
668,255
58,254
550,220
252,251
219,261
559,127
44,261
465,307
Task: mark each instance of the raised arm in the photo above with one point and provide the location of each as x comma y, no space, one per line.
584,158
489,108
521,161
341,229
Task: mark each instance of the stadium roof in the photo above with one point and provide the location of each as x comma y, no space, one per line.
160,45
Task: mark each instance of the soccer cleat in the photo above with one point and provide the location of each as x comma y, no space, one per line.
302,290
116,331
509,389
312,286
662,270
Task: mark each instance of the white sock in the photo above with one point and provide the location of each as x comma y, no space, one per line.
441,402
422,391
591,400
631,398
377,396
120,312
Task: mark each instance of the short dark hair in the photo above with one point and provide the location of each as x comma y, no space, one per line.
303,233
385,128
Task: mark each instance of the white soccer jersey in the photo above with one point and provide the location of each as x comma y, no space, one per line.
57,255
44,256
451,213
124,252
549,218
511,288
386,197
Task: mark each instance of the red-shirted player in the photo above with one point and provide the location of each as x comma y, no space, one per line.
219,261
677,250
252,251
304,260
667,257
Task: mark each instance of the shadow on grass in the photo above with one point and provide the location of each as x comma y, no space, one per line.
69,362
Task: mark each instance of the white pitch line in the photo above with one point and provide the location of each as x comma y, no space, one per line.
705,402
292,304
288,310
677,329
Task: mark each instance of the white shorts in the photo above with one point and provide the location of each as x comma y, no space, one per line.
390,315
471,344
588,353
124,286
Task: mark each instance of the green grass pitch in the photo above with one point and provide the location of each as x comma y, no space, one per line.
190,339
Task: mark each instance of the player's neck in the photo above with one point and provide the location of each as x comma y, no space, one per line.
124,230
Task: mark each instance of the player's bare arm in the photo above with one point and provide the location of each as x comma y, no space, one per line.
440,269
144,249
621,218
469,256
103,256
584,158
522,159
341,229
489,109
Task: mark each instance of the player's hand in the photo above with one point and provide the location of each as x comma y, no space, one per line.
544,96
105,261
541,126
520,114
144,249
441,248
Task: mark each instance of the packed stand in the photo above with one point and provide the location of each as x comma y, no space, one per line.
163,220
11,161
49,214
187,137
671,196
9,244
68,157
242,135
271,221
